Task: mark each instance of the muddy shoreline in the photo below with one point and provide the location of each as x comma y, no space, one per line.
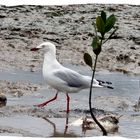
70,29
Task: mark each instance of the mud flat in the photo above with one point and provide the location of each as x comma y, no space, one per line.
21,118
70,29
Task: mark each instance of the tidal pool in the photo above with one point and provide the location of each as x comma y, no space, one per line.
20,118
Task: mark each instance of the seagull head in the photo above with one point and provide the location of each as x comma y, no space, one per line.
46,47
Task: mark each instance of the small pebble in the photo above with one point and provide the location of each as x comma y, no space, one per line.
132,48
3,100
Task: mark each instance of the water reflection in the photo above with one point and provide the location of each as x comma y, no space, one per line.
109,122
2,104
64,133
126,92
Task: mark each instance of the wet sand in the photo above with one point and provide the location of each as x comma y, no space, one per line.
70,29
50,121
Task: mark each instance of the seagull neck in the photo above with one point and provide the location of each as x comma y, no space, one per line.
49,57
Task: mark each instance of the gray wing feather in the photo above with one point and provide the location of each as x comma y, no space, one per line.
72,79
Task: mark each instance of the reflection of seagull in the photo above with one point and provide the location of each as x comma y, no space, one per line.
59,77
56,133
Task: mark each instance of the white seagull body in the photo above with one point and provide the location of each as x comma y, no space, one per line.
64,79
60,77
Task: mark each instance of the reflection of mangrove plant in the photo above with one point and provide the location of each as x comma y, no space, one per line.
102,26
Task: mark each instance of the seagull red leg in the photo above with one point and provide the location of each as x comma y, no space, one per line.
45,103
68,101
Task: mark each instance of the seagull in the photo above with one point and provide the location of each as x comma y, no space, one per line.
61,78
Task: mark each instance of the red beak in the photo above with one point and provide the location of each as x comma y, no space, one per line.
34,49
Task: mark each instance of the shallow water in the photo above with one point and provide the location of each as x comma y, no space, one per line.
20,118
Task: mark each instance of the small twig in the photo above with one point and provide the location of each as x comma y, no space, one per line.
90,95
110,35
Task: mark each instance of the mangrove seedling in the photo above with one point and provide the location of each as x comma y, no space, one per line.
102,27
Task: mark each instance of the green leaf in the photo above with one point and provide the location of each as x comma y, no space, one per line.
103,15
94,25
100,25
110,23
95,43
96,46
88,59
97,50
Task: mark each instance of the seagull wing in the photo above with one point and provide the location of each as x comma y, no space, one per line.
72,78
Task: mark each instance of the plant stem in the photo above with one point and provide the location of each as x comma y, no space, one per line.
90,95
110,35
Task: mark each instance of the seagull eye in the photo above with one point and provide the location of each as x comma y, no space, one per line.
43,46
